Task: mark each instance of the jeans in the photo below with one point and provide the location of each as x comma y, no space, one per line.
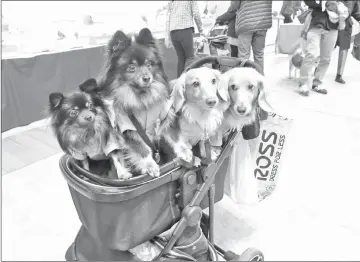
256,41
183,43
319,42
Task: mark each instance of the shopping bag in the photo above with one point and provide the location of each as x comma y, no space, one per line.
254,164
288,35
240,184
267,152
355,27
356,48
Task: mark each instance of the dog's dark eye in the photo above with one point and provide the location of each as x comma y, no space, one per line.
131,68
233,87
149,63
196,84
213,81
73,113
251,87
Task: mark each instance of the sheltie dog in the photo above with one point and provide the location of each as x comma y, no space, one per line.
82,127
200,98
134,82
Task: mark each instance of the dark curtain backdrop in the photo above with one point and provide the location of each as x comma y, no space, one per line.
27,82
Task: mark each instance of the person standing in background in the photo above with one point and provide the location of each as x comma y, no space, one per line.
229,17
180,29
321,37
344,38
253,19
289,10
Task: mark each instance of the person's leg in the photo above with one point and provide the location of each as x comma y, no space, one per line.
187,43
175,35
258,46
341,65
234,51
327,43
311,53
244,45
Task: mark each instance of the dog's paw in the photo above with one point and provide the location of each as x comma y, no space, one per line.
123,174
150,168
186,154
197,161
215,152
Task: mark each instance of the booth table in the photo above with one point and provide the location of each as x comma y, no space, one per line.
27,82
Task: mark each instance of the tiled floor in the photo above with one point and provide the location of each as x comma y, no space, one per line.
313,214
23,149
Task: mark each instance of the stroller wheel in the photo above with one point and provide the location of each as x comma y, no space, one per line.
252,254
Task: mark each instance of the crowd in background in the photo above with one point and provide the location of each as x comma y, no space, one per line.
249,21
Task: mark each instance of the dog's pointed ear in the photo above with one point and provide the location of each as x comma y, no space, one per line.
55,100
263,103
118,42
222,87
146,38
89,85
177,93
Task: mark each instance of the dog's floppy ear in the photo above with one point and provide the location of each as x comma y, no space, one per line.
222,87
89,85
177,93
55,100
263,103
118,42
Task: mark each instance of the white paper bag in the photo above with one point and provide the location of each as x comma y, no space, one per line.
254,165
267,152
242,186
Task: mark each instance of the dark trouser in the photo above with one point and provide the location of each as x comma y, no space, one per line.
234,51
184,46
256,41
343,41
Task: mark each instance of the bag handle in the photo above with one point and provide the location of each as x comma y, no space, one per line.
144,137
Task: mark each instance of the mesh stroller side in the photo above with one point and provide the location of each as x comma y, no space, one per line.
118,216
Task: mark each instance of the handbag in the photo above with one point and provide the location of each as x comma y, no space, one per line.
355,29
356,48
306,25
303,16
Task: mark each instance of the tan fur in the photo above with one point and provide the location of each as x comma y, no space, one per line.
197,119
246,89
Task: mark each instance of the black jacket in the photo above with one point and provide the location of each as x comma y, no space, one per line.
229,16
320,19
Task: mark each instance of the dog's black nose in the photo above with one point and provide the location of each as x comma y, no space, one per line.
211,101
146,79
89,118
241,110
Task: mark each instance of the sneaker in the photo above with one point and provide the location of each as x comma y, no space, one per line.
303,90
319,90
339,79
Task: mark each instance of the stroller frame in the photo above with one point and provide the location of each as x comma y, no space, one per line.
191,203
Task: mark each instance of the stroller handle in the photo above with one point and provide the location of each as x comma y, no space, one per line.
223,61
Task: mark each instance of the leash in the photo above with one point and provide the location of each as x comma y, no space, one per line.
144,137
205,143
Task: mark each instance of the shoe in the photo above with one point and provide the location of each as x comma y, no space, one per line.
339,79
303,90
319,90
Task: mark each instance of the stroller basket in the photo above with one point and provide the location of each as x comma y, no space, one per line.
123,215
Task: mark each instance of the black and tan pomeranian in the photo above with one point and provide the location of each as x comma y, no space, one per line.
83,129
136,84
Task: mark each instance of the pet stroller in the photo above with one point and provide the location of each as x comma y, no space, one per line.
215,43
118,215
